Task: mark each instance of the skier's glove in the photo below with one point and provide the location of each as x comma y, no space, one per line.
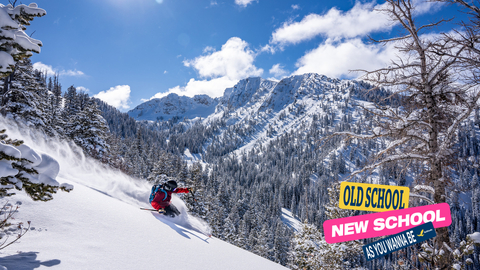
190,189
161,211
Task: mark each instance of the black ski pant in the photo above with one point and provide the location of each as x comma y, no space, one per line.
171,211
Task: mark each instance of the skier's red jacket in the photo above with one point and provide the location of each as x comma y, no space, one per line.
163,197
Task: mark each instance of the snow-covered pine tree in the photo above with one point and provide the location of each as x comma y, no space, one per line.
475,187
164,166
183,175
89,130
217,218
281,243
53,108
24,169
196,202
71,106
43,103
432,257
229,231
137,152
25,97
262,246
56,90
242,236
15,43
339,255
305,248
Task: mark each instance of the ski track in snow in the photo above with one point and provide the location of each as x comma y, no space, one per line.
99,225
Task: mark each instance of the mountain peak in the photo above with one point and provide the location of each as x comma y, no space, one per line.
173,105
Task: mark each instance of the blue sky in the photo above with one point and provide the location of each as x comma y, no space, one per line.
129,51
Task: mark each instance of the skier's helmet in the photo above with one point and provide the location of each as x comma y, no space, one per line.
170,185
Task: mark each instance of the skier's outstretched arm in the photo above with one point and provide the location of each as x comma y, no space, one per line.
181,190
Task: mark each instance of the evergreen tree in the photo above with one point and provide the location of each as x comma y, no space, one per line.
164,166
15,43
229,231
50,85
305,248
19,165
23,101
71,106
262,246
89,130
339,255
281,243
241,240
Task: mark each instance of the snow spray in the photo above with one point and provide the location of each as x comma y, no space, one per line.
81,169
188,221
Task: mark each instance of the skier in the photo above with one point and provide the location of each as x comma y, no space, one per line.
161,196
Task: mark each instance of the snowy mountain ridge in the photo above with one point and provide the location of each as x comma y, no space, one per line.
258,110
166,108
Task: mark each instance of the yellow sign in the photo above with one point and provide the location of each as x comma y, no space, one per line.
370,197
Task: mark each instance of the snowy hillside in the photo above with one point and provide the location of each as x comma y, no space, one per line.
174,106
98,225
264,110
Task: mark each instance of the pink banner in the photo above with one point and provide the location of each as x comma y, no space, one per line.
385,223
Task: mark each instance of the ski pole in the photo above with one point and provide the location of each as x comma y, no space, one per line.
193,195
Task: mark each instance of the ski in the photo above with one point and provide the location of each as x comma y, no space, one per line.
148,209
153,210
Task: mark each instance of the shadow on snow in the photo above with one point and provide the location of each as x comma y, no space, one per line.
25,261
179,228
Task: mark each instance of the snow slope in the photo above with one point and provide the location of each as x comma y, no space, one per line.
289,220
99,225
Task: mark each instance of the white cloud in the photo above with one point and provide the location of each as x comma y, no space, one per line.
71,73
82,89
243,3
234,60
342,49
209,49
278,71
359,21
213,88
51,71
295,7
42,67
218,69
117,96
337,59
427,7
